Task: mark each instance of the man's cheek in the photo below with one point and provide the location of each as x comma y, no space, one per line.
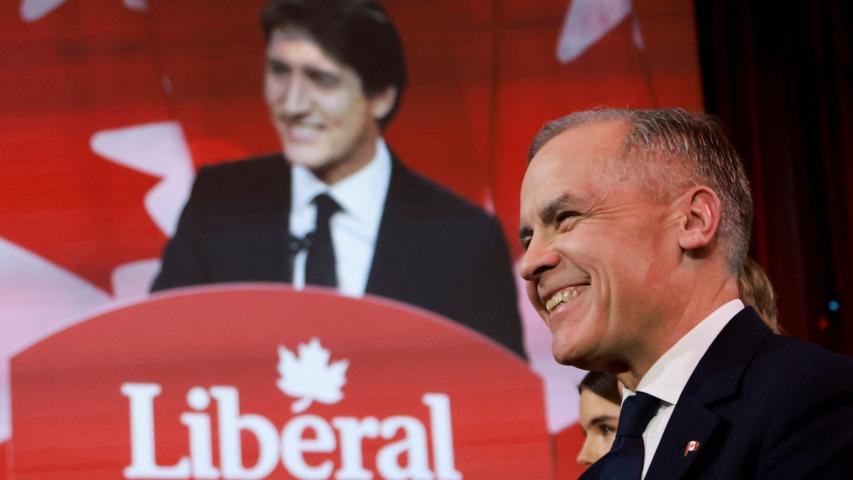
533,296
335,106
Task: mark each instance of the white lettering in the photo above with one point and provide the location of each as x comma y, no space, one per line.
143,463
231,423
201,451
413,444
405,457
294,445
442,436
353,431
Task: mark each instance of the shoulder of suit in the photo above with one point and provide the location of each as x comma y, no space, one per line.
795,348
800,365
768,362
235,179
425,197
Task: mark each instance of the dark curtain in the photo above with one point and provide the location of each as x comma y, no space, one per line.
778,74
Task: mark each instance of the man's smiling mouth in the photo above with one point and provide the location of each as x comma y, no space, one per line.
563,296
302,131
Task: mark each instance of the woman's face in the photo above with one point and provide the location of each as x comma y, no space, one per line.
598,419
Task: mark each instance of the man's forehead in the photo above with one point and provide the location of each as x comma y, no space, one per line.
602,138
563,169
582,151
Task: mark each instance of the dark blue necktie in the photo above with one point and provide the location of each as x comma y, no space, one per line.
320,263
625,459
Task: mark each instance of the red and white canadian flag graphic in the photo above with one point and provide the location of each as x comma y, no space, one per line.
95,169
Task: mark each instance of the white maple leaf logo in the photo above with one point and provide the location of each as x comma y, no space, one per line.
309,376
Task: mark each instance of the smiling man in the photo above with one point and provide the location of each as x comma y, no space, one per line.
336,208
634,225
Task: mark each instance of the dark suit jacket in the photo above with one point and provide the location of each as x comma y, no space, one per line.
761,406
433,250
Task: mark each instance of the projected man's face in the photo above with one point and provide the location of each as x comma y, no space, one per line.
318,106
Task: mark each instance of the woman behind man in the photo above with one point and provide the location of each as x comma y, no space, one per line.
601,394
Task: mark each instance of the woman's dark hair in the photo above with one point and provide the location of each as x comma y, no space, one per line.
602,384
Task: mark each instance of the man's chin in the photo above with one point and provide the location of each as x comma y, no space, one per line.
575,356
311,159
605,364
566,356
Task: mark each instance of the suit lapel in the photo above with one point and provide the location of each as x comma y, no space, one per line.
397,238
686,437
700,411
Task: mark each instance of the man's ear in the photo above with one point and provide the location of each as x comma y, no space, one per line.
702,217
382,102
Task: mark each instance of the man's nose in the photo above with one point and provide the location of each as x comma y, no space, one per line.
297,96
537,259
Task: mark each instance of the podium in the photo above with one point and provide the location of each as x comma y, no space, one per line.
261,381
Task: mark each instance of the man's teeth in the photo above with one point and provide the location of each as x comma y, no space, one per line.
561,297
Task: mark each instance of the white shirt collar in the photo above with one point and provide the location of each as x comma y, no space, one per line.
354,229
669,375
361,194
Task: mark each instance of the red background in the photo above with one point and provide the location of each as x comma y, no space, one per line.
483,78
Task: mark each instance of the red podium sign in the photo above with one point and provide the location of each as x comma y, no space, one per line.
265,382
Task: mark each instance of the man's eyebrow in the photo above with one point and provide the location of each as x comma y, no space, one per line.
276,62
553,208
318,71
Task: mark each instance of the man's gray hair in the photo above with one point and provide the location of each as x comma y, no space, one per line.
673,149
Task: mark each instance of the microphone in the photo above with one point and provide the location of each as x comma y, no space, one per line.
297,244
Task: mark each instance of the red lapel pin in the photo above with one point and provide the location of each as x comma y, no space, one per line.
692,446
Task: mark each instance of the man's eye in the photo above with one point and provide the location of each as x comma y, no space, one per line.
607,429
567,217
567,214
325,80
525,236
